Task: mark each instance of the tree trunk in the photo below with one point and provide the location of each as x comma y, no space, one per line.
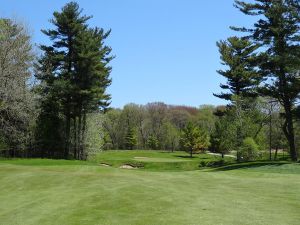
67,140
288,129
79,135
75,137
82,139
68,102
238,156
276,151
142,134
270,134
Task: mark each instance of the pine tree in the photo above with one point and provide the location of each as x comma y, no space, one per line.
277,32
49,126
49,137
92,79
222,139
60,59
76,64
238,54
130,139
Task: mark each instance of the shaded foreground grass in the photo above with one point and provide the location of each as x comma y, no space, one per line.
263,166
66,192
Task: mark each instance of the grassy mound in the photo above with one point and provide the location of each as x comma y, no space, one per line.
158,160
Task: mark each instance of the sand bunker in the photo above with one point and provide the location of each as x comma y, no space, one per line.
127,166
104,164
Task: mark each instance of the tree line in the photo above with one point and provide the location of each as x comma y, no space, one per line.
244,130
157,126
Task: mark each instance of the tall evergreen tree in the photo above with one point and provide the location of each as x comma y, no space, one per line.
76,64
91,81
61,58
238,54
277,31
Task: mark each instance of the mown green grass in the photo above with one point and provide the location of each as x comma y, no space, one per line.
71,192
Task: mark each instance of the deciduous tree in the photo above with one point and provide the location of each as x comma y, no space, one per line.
193,139
16,99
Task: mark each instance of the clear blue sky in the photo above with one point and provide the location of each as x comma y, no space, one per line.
165,49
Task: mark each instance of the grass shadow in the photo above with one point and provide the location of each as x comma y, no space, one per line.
248,165
168,152
185,157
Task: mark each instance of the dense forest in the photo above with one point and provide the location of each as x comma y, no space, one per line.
55,104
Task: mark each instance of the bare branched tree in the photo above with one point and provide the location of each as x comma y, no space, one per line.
16,59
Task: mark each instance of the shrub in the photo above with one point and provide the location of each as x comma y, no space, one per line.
249,150
152,142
